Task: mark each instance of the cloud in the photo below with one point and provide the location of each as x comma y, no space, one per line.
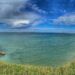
8,8
19,23
67,19
11,13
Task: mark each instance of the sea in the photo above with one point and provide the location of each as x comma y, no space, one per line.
43,49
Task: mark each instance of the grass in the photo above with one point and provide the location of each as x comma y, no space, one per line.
14,69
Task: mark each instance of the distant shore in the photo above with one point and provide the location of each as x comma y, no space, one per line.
40,32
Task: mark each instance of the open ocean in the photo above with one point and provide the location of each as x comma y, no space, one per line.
37,48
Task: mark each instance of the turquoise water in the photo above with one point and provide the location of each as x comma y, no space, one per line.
37,49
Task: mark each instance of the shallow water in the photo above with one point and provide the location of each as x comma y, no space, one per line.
37,49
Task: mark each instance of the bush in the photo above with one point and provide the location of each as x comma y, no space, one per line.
16,69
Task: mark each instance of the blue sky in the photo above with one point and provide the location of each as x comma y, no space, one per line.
37,15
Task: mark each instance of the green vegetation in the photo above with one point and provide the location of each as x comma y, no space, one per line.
13,69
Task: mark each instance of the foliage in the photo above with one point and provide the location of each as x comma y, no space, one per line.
17,69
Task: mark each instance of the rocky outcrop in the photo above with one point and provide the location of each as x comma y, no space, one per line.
2,53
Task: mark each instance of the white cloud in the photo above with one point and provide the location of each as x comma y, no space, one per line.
10,13
67,19
19,23
15,23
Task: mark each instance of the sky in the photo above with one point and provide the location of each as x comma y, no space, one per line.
37,15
